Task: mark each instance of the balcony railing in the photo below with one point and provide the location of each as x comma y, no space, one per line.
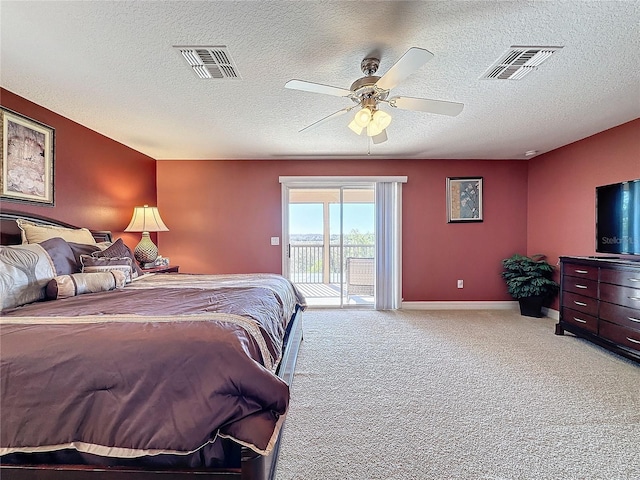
307,261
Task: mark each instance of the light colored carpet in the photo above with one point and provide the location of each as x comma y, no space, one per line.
457,395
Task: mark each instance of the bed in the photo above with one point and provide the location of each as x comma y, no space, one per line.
173,375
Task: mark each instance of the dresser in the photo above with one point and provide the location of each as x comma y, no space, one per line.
600,301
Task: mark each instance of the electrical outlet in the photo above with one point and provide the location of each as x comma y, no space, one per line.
460,283
275,240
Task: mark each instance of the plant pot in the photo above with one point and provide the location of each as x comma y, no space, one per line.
531,306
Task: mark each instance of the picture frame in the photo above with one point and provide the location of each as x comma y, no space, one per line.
27,150
464,199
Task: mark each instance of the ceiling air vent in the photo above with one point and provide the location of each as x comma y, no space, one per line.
517,62
210,62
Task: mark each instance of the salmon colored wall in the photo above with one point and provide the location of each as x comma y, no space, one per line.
97,181
221,215
561,214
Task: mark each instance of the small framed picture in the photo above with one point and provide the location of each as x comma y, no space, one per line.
464,199
27,156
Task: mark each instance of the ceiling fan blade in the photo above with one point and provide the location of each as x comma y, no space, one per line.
328,117
380,138
317,88
412,60
440,107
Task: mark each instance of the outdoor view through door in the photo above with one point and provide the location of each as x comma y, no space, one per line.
332,244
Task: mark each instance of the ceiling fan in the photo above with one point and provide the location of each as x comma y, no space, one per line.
370,91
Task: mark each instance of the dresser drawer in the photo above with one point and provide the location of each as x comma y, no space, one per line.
581,286
620,335
626,278
625,316
580,303
579,319
580,271
628,297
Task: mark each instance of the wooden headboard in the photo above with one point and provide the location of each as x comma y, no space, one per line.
10,233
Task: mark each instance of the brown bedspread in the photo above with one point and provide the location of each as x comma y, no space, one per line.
88,373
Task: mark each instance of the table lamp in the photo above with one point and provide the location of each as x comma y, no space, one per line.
146,219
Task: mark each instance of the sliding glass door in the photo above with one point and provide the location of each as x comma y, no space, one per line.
331,244
342,239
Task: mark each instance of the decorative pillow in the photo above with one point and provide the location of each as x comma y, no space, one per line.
34,233
105,264
63,258
119,250
25,271
80,249
65,286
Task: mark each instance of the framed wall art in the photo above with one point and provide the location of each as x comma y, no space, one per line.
464,199
27,156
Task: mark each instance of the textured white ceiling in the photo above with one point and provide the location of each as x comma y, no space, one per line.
111,66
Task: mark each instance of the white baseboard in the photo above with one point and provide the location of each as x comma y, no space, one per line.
477,305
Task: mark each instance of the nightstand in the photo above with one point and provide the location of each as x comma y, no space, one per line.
162,269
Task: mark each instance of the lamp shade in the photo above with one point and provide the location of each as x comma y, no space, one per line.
363,117
373,130
379,122
381,119
146,219
357,129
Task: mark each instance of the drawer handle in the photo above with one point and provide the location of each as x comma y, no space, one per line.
634,279
582,271
637,299
634,319
582,304
633,340
579,320
581,286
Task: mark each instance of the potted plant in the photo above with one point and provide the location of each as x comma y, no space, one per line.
530,281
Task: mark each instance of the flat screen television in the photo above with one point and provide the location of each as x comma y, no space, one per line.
618,218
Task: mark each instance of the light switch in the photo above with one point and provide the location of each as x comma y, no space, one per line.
275,240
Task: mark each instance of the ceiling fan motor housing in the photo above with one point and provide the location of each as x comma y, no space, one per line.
365,89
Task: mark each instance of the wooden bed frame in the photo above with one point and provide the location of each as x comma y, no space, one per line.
253,466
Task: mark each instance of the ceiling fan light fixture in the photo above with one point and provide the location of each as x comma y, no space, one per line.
373,129
381,119
357,129
363,117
